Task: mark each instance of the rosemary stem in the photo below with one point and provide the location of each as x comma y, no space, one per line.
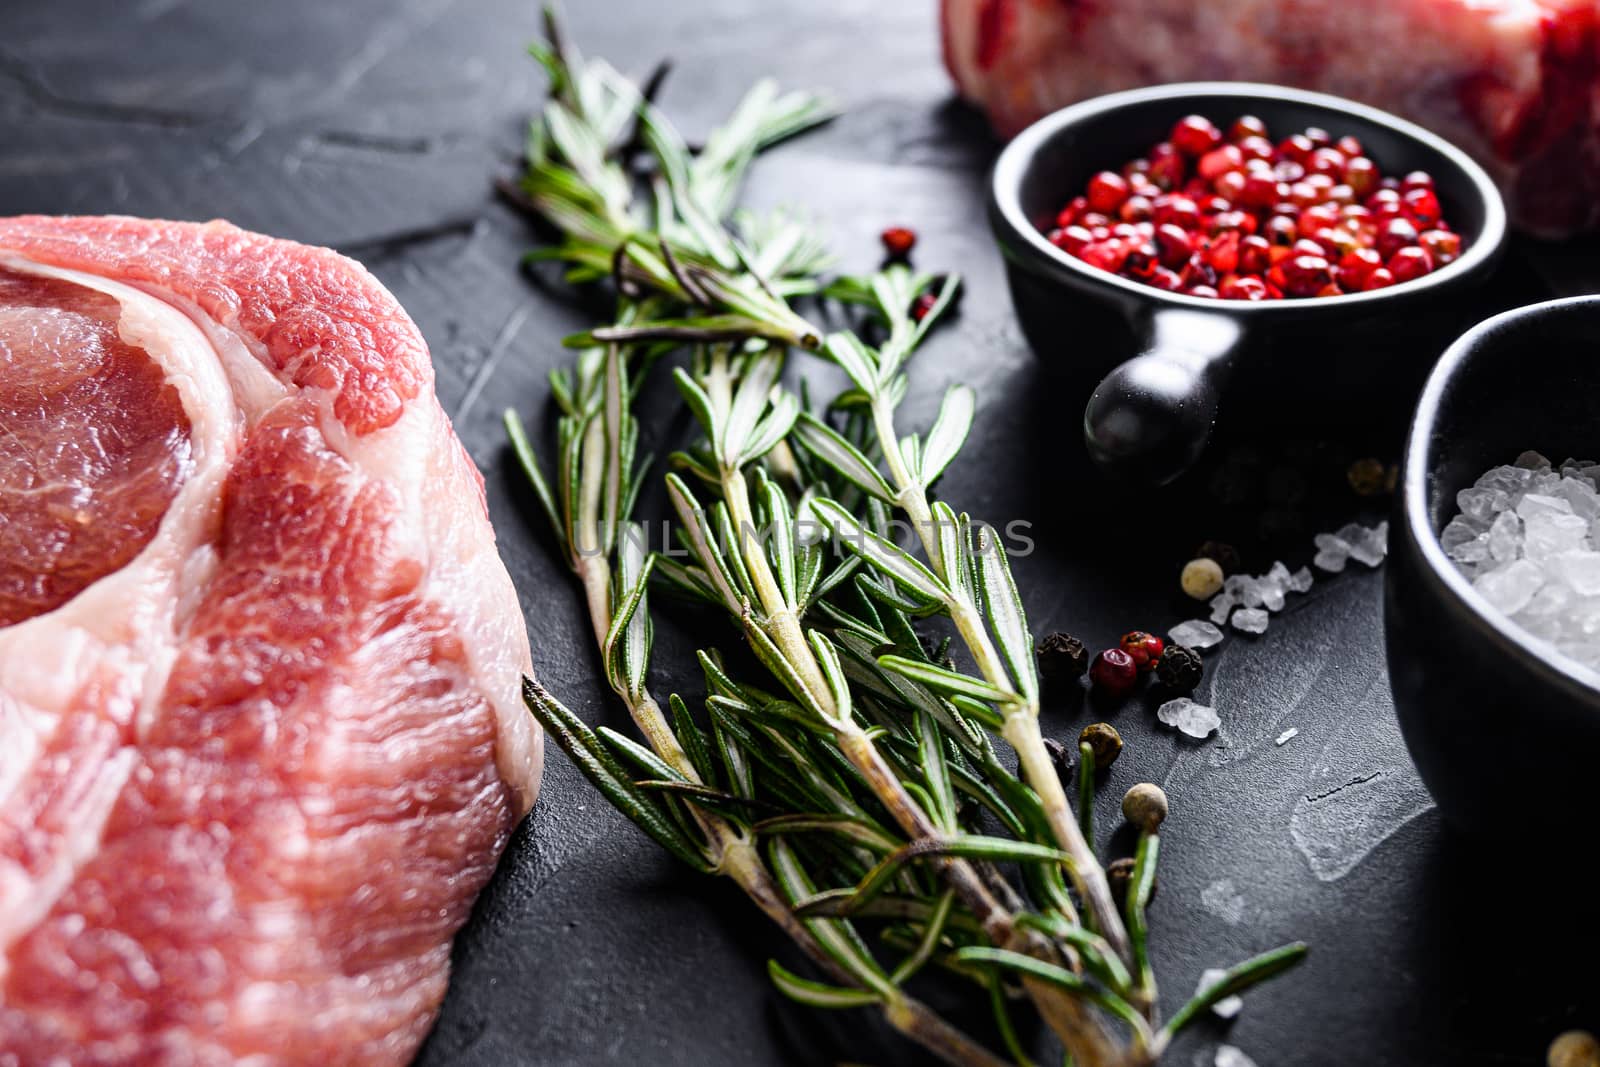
734,854
1021,729
959,873
784,628
1079,1029
918,1022
595,574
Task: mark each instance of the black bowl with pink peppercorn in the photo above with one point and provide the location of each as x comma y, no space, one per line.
1238,251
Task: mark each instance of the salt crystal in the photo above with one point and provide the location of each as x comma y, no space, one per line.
1250,620
1272,585
1505,536
1196,634
1227,1007
1328,542
1228,1056
1544,611
1221,608
1547,534
1473,551
1482,505
1190,718
1288,735
1460,530
1537,503
1331,561
1544,483
1244,589
1580,494
1509,588
1579,569
1371,545
1300,581
1507,479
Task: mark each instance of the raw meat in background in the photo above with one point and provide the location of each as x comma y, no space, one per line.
1514,82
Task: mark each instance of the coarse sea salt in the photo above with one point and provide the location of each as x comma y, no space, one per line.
1196,634
1254,597
1367,545
1227,1007
1185,715
1288,735
1228,1056
1250,621
1527,536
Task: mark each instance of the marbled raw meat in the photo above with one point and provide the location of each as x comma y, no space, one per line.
1514,82
260,739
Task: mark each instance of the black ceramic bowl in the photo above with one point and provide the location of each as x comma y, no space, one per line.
1176,357
1489,713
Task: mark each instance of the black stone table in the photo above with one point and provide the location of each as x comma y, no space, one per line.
375,127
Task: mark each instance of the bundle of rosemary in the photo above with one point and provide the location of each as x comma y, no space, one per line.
846,776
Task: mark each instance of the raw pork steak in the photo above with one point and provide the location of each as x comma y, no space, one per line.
260,743
1512,81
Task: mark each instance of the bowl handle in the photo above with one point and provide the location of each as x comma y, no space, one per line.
1149,419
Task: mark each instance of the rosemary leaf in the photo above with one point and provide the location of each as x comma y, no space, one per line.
584,749
817,994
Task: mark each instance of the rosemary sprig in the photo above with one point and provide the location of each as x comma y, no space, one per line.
852,788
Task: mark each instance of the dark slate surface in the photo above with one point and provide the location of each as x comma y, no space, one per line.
374,127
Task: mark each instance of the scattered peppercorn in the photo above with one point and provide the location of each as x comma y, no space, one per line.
1224,554
1145,648
898,241
922,305
1145,806
1062,658
1367,477
1202,578
1119,873
1103,738
1180,669
1575,1048
1114,673
1059,755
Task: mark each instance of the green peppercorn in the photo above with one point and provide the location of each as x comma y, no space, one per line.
1062,658
1145,805
1575,1048
1225,555
1104,740
1180,669
1201,578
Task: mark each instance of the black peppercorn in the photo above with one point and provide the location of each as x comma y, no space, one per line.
1105,742
1180,669
1226,556
1059,755
1062,658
